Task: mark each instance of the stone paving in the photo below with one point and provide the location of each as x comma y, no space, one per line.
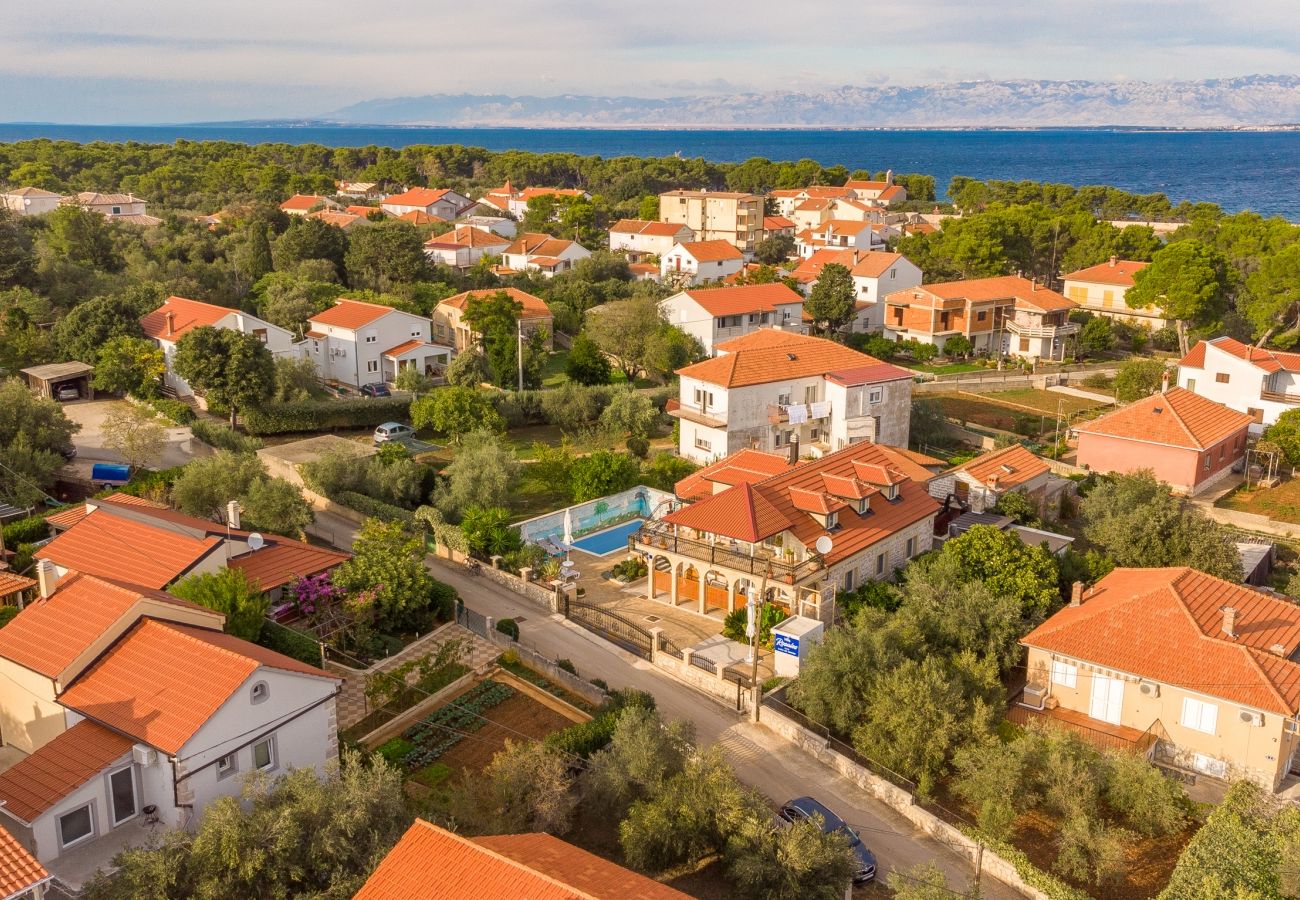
352,703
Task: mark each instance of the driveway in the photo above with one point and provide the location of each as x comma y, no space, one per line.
89,441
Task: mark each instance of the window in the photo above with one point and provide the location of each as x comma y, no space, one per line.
981,315
848,580
911,547
1207,461
1191,385
121,790
264,754
1024,345
1064,674
260,334
880,564
1107,298
1199,715
226,766
1221,377
260,691
783,399
372,338
720,322
416,331
372,365
117,210
875,395
832,521
702,444
893,273
76,826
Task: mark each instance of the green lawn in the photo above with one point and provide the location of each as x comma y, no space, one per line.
553,375
1044,401
1281,503
1026,411
945,369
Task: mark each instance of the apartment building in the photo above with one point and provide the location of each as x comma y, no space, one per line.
730,216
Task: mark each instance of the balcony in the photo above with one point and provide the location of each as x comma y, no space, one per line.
1101,735
1042,331
762,563
696,414
779,414
1279,397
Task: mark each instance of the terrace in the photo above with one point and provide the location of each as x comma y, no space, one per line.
740,557
1101,735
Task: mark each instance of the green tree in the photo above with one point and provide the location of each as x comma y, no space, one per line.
773,863
952,610
230,369
602,473
230,592
300,835
276,506
1097,335
831,301
39,423
481,473
648,208
130,365
295,380
586,364
630,412
990,777
643,753
1019,506
253,258
1007,567
928,425
468,370
389,561
835,680
957,346
664,470
570,406
207,484
668,349
384,255
622,331
1188,280
83,333
17,261
1138,378
1285,433
924,881
527,787
82,237
774,249
487,531
1271,300
495,319
307,239
412,380
135,433
456,411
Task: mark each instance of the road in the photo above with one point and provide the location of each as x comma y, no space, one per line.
760,757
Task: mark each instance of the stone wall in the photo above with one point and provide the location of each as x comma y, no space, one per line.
544,667
684,671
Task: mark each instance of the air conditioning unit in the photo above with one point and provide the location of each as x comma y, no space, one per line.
1149,689
142,755
1034,695
1250,717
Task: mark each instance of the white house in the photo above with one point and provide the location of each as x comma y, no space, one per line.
170,322
133,707
784,200
301,204
515,202
639,238
542,253
876,274
1262,383
109,205
1101,289
698,261
443,203
463,246
499,225
878,193
30,201
771,389
714,315
838,234
357,343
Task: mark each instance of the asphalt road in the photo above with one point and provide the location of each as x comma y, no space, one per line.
760,757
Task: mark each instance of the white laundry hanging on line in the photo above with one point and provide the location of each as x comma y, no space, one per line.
820,410
798,414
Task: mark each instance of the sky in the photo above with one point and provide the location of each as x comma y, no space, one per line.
145,61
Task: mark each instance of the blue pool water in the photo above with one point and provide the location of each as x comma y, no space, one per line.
602,543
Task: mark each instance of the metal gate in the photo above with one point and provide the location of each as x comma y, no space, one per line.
611,626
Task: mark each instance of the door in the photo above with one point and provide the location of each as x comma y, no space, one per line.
1107,699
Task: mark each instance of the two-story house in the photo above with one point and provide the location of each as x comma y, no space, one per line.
128,706
542,253
770,389
838,234
714,315
357,343
778,226
441,202
111,206
696,262
177,316
878,193
639,238
731,216
976,485
464,246
795,537
1101,289
876,275
1262,383
515,202
786,199
450,327
30,201
1202,674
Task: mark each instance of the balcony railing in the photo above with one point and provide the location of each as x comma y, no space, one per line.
1102,735
650,539
1043,331
696,414
1279,397
778,413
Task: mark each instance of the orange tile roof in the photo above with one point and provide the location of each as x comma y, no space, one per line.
777,223
809,270
890,193
1166,625
585,872
126,549
860,185
533,307
283,560
873,373
1118,272
351,314
420,217
875,263
732,301
842,226
645,226
1006,469
711,251
186,314
769,355
977,290
812,204
1269,360
336,218
11,583
302,202
417,196
1195,357
358,210
532,244
162,681
1175,418
717,195
19,870
68,517
753,512
744,465
467,236
404,347
37,782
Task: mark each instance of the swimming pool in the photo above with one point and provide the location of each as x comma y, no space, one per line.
603,543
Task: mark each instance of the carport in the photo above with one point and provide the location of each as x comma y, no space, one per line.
46,380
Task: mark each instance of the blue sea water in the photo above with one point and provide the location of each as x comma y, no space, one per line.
1259,171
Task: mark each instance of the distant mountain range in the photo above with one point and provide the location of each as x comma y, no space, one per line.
1247,101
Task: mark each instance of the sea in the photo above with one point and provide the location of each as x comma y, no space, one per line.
1238,170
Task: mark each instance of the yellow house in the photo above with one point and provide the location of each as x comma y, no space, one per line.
450,327
1100,290
1202,673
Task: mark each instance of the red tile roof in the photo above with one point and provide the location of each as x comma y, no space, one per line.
1269,360
645,226
869,374
769,355
1118,272
19,870
283,560
1175,418
186,314
732,301
350,314
1166,625
533,307
404,347
358,210
737,513
585,872
466,236
417,196
301,202
710,251
127,549
532,244
811,268
738,468
777,223
162,681
37,782
420,217
11,583
875,263
1006,469
1003,287
337,218
1195,357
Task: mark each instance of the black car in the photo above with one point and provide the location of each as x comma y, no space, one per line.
375,389
802,808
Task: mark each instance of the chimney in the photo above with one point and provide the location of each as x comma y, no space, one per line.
889,176
1229,621
1033,283
232,513
171,323
1076,594
794,450
48,578
1113,260
1164,381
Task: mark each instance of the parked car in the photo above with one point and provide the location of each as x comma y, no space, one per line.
392,431
68,451
802,808
67,392
375,389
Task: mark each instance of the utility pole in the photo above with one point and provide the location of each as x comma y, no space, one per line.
519,352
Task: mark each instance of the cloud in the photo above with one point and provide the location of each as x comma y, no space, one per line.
145,61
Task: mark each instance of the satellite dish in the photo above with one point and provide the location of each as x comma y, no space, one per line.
824,544
255,541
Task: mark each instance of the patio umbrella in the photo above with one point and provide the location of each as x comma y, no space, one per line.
568,526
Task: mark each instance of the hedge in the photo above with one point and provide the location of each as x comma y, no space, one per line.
291,643
1033,876
26,531
369,506
326,415
520,408
223,437
508,627
176,410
